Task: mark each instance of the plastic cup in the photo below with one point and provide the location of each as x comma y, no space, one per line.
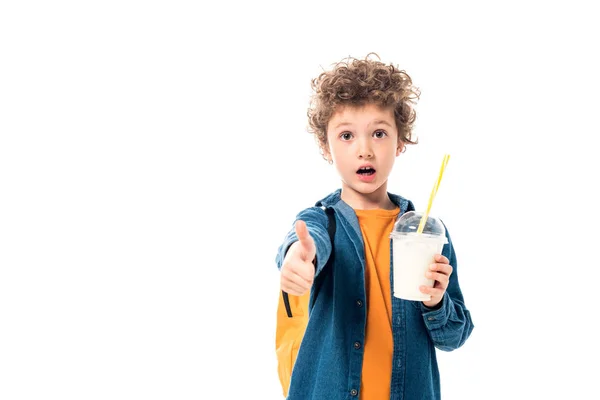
413,253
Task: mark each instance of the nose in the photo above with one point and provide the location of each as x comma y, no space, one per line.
364,149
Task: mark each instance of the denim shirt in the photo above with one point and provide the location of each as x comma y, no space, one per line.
329,361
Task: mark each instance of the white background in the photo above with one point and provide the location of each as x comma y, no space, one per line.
154,154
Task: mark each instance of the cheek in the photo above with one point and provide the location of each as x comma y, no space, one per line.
338,149
330,146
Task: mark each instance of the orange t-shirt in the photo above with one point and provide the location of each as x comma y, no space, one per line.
376,226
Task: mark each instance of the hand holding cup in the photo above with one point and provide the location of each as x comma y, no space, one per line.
440,272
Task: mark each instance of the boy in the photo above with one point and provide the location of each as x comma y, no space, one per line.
360,341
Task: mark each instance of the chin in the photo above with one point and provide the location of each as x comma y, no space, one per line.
367,188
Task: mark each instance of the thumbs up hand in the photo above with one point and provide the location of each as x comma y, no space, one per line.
298,269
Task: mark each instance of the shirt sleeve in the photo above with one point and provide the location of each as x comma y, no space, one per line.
316,222
449,325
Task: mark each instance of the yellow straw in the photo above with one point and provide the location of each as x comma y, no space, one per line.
433,193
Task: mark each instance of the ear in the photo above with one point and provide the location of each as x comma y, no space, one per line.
400,149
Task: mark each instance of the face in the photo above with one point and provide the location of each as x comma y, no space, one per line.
363,144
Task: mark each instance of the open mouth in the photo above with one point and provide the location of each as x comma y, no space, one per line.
365,171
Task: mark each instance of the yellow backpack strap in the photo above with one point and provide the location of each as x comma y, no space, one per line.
331,230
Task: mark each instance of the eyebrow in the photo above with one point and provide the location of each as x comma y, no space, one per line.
341,124
382,122
377,122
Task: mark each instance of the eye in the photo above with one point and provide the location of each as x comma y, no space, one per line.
346,136
379,134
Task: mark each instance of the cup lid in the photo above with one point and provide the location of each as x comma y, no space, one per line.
408,224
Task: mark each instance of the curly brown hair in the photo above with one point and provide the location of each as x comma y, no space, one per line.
355,82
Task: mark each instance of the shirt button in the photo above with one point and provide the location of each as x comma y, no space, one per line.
357,345
354,392
359,303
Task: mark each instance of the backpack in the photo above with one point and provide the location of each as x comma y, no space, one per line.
292,318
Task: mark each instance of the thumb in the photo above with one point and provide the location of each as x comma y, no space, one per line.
308,245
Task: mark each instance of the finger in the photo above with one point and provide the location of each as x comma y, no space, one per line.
441,259
297,278
306,272
434,292
302,233
443,268
292,288
441,278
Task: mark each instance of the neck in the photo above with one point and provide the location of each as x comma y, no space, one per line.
367,201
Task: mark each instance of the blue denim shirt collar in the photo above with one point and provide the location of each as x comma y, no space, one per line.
335,201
